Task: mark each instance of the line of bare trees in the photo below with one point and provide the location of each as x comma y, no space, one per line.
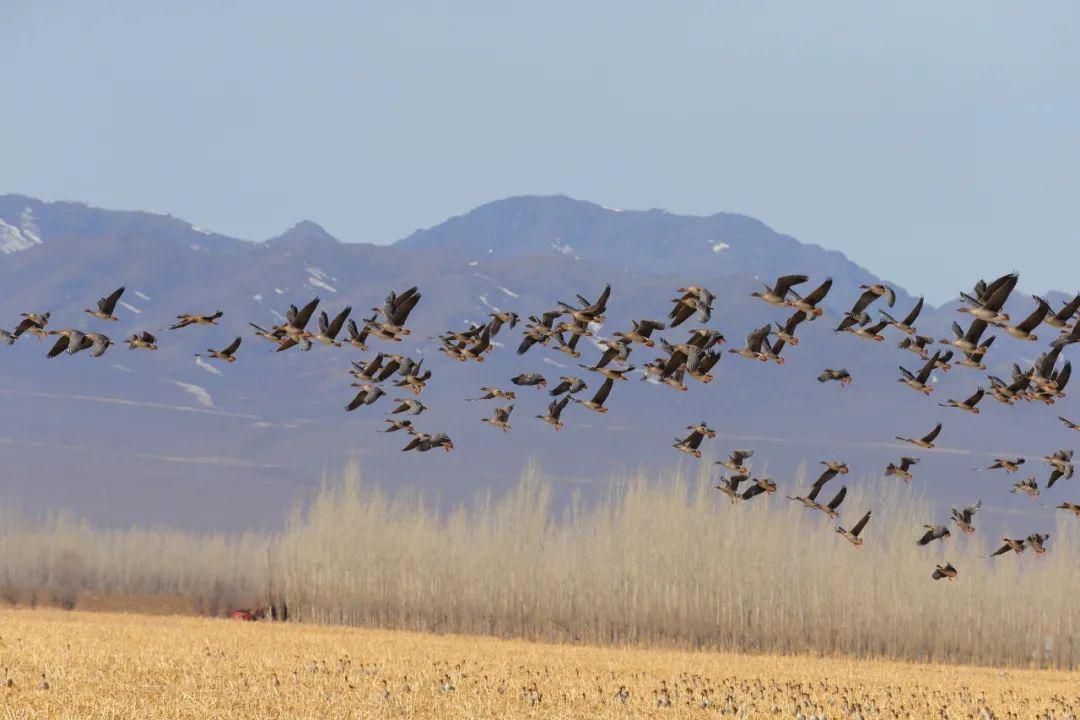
666,561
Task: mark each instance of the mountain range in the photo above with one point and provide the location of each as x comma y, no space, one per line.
168,438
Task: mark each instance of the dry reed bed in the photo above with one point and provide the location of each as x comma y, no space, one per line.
668,562
130,666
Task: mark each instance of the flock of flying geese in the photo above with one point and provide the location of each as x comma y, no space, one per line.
562,328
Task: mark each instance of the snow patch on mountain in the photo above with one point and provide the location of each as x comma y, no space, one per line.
24,236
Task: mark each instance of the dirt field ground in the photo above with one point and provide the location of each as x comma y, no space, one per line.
99,665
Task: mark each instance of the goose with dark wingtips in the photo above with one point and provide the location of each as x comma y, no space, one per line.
554,412
810,499
1069,423
730,486
228,354
1008,465
611,373
500,318
933,532
569,384
407,405
329,329
394,424
920,382
852,535
597,402
491,393
777,294
841,375
917,344
786,332
614,350
809,303
106,306
1023,330
1011,545
903,470
907,325
1029,487
1036,541
759,486
34,323
967,405
275,336
367,395
142,341
752,349
501,418
185,319
988,300
690,444
641,332
695,299
963,518
926,441
837,466
1063,318
735,461
529,380
966,341
946,571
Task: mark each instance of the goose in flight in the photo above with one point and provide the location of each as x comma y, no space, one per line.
185,319
810,499
1023,330
614,350
367,395
705,361
34,323
967,405
907,325
500,318
1011,545
501,418
988,300
1008,465
759,485
752,349
966,341
567,347
357,337
367,371
597,402
69,339
529,380
933,532
786,332
691,443
917,344
777,294
554,412
857,315
491,393
869,332
227,355
730,486
852,535
736,462
275,336
329,329
903,470
396,311
142,341
294,330
407,405
842,376
423,442
1029,487
106,306
570,385
641,332
920,382
926,441
539,330
809,303
1036,541
695,299
836,466
1062,319
974,358
395,424
963,518
609,372
944,571
7,338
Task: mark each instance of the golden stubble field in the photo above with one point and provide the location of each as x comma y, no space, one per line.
99,665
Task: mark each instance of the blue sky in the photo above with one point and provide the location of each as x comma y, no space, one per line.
931,142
